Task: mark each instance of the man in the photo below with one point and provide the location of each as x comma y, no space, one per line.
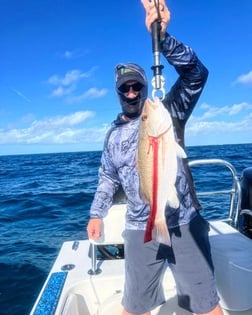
189,255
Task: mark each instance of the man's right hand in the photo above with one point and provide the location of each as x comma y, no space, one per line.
94,228
152,15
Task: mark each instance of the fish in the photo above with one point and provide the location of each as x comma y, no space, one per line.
157,154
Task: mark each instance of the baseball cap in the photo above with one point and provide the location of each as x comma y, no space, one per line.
129,72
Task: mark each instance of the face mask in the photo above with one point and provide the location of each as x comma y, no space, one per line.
131,107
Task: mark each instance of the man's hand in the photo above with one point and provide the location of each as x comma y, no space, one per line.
152,14
94,228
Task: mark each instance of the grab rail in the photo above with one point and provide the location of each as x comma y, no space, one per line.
119,209
234,191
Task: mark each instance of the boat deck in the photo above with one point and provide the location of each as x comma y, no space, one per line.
80,284
100,294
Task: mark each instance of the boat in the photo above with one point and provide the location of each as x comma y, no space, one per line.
87,276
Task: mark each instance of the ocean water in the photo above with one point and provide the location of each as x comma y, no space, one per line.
45,200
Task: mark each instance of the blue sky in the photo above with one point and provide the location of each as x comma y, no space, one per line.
57,79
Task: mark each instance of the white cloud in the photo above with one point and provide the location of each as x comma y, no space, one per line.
217,120
68,54
61,91
90,93
68,84
244,78
69,120
214,111
237,108
206,127
73,54
55,130
69,78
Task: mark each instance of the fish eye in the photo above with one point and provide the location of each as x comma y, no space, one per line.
144,117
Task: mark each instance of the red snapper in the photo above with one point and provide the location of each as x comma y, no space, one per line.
157,165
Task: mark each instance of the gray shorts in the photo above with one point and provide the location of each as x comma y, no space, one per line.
189,259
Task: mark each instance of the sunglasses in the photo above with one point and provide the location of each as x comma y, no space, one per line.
125,88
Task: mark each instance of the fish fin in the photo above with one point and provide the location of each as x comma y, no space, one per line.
180,151
160,232
172,199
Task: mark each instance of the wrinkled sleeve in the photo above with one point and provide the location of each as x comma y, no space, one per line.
184,94
107,186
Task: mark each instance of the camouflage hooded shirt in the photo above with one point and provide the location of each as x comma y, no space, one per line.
118,162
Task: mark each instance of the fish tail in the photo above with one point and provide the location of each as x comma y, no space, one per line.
160,232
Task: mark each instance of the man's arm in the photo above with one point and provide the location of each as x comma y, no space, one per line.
186,91
107,186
